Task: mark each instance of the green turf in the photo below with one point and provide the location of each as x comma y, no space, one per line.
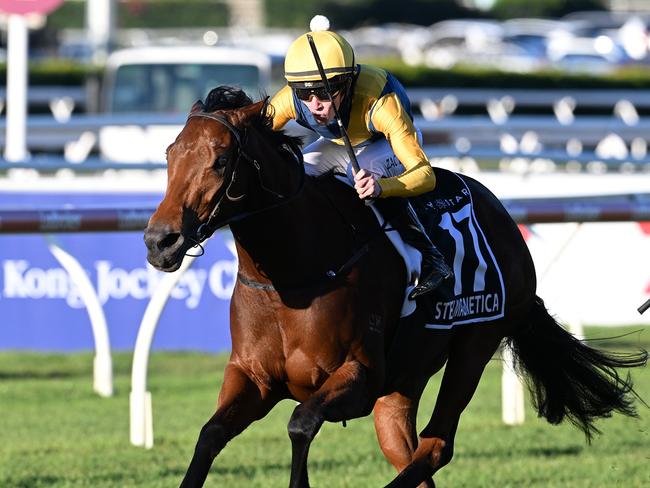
55,432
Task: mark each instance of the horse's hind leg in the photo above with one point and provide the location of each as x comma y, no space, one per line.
470,350
420,355
395,416
241,402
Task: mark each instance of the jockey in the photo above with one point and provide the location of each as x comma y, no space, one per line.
377,115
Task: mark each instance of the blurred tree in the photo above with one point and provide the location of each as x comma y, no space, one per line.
147,14
346,14
507,9
290,13
343,14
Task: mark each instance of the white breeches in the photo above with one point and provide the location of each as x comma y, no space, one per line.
377,157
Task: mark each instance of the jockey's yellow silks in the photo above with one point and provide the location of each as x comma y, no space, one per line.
377,106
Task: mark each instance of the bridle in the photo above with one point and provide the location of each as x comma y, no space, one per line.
207,228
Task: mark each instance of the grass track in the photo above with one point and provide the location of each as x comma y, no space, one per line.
55,432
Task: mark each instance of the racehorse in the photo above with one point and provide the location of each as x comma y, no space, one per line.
315,312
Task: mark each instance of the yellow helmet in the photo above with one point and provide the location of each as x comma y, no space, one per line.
335,53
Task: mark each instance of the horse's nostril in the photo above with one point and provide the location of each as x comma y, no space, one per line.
169,240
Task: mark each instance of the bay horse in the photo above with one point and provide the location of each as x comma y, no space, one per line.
315,312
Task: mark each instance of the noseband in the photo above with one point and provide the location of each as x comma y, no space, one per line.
207,228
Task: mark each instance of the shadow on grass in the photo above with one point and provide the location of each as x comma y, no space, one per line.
250,471
33,481
554,451
499,453
38,375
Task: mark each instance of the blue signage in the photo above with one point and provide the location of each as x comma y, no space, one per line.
41,307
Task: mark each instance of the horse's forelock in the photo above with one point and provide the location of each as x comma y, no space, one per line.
226,98
233,98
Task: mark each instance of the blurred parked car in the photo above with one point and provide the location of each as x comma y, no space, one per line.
166,81
390,40
170,78
629,31
533,35
482,43
586,55
455,41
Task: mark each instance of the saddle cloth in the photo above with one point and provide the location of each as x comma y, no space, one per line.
477,292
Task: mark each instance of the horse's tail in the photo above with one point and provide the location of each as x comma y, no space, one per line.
569,379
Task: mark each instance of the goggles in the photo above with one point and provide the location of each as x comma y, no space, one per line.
319,92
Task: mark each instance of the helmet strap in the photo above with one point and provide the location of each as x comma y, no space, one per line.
350,82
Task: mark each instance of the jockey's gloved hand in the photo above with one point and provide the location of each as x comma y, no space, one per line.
366,184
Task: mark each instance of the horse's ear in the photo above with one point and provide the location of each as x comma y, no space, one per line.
245,114
197,107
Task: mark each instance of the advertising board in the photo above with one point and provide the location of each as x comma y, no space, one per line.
41,307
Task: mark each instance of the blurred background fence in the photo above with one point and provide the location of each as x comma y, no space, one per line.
551,106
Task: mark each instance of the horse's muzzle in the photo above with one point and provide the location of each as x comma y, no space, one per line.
166,247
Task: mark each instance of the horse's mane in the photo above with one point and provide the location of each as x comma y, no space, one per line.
229,98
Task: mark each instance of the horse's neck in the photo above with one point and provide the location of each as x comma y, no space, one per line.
295,243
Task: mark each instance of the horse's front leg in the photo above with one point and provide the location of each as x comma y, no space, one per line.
345,395
241,402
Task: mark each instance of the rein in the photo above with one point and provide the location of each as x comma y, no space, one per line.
331,274
207,228
329,277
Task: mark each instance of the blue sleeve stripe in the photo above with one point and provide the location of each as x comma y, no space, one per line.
399,90
393,86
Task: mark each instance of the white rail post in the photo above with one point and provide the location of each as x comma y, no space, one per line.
100,27
512,391
141,414
17,42
102,364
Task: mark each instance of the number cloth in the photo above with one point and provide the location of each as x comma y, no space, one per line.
448,216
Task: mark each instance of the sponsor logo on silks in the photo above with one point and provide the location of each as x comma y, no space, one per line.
449,202
392,163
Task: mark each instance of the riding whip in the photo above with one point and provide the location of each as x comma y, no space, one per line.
326,84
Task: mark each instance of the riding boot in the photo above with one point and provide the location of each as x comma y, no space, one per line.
403,219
